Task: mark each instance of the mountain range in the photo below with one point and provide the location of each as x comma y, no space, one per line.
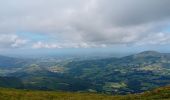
130,74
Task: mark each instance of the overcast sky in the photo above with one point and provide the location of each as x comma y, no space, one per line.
84,24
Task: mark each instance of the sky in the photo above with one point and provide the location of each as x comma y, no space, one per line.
76,26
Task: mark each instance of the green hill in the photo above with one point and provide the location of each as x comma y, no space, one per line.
131,74
14,94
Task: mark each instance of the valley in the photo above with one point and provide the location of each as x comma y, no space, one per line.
130,74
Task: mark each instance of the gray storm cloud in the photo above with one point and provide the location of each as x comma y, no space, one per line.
88,21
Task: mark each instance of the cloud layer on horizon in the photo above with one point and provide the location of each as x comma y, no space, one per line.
84,24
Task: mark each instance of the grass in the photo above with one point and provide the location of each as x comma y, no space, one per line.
15,94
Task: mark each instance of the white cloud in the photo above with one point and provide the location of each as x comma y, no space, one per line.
86,23
11,41
155,39
42,45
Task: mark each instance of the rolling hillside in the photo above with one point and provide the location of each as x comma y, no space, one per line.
131,74
14,94
9,62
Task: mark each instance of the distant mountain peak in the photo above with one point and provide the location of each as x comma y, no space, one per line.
150,52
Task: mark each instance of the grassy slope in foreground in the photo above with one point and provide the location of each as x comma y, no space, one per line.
13,94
